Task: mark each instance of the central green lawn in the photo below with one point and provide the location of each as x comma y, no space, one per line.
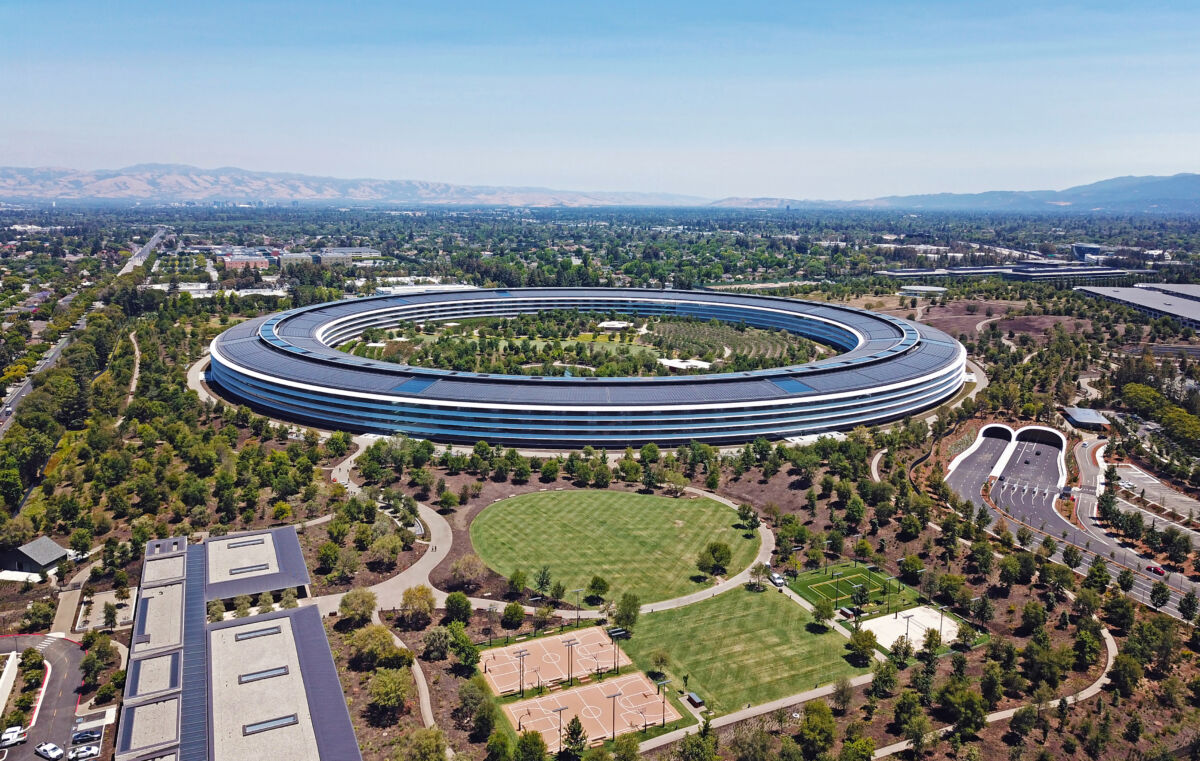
639,543
741,647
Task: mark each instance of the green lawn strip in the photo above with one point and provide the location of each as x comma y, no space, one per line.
639,543
741,648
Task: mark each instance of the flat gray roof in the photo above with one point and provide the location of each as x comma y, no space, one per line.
1169,304
248,688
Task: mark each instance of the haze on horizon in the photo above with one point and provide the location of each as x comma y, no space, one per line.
799,100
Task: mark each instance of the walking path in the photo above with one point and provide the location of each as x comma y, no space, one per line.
875,464
137,368
1090,691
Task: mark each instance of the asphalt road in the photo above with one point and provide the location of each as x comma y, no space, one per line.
1027,494
56,720
51,357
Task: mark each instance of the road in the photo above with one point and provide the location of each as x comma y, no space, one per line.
51,357
139,257
1027,496
56,718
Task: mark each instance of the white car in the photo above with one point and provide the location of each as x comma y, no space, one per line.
49,751
12,736
777,580
84,751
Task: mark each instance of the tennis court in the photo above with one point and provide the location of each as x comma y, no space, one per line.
636,705
550,660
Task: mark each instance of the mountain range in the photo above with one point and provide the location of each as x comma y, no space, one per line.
173,183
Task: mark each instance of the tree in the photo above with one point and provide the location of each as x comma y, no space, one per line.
597,587
823,611
422,745
758,574
242,605
862,644
458,607
1072,557
628,608
463,648
513,616
110,615
388,691
816,728
1160,594
437,644
843,694
1097,577
373,647
530,747
356,606
216,612
574,741
468,570
517,582
964,705
918,730
1188,605
541,580
625,748
884,681
499,747
1125,674
417,605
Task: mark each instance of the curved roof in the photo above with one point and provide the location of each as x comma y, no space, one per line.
876,349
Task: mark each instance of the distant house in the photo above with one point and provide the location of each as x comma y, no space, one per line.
42,554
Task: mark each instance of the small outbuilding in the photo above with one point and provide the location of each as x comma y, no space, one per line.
42,554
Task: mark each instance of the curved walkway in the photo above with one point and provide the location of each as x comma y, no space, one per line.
1093,689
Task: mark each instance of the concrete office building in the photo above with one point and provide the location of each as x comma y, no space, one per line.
242,689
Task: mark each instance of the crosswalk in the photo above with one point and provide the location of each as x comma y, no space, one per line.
45,643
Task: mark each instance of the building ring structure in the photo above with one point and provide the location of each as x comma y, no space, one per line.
286,364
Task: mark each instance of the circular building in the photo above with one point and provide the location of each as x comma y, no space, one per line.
286,366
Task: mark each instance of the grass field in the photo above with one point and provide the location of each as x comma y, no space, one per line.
821,583
741,647
639,543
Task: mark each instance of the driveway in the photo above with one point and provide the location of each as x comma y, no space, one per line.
56,717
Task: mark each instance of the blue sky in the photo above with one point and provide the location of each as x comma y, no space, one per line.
799,99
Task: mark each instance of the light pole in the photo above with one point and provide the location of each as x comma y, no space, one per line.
570,645
613,697
661,687
616,666
837,588
559,711
919,593
826,554
888,585
941,617
907,621
520,656
578,604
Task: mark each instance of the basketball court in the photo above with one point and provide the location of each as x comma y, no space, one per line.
637,706
549,661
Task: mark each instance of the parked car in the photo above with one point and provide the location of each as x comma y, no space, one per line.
83,752
1156,570
86,736
49,751
12,736
777,580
